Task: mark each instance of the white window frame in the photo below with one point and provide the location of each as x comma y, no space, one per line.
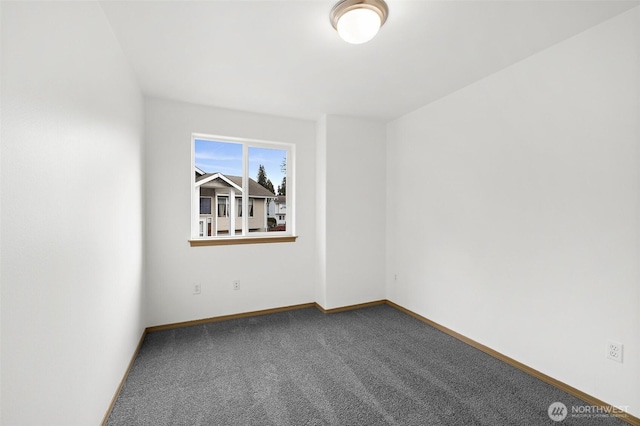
244,236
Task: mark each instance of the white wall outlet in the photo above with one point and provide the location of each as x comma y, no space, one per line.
197,289
614,350
236,284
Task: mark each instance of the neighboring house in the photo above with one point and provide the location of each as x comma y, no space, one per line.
280,209
277,208
221,204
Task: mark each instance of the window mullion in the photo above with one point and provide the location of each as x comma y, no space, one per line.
245,189
291,188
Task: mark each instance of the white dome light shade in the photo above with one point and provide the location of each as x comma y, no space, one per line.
358,25
358,21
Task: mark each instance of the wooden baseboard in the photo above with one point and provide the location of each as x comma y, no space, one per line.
262,312
520,366
229,317
124,378
632,420
350,307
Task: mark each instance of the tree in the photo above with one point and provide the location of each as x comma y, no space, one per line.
262,176
269,186
282,188
263,180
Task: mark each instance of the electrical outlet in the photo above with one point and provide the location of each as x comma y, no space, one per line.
614,350
197,289
236,284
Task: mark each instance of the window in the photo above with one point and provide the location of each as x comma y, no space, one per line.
205,205
223,204
239,201
250,182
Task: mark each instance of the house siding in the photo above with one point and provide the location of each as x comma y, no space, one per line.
256,223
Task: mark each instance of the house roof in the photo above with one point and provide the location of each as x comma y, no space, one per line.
209,177
255,189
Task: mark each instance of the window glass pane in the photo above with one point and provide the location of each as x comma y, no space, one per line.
218,157
205,205
223,203
218,172
239,206
268,183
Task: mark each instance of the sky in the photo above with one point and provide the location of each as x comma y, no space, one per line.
226,158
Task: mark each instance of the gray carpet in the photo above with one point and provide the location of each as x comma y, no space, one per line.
371,366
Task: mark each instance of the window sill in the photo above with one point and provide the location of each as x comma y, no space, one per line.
227,241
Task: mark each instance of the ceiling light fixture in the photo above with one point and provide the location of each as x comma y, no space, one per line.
358,21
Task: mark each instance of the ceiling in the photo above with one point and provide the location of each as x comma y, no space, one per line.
284,58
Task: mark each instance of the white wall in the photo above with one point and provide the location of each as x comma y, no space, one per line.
351,210
71,214
321,212
514,214
271,275
1,102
